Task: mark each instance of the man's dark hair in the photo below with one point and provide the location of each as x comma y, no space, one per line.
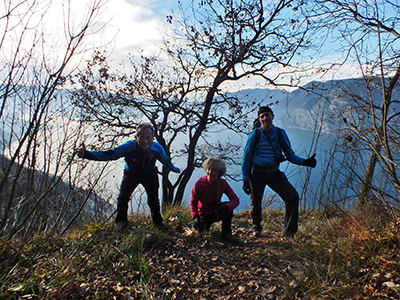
145,126
264,109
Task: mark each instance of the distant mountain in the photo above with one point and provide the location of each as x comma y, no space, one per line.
292,109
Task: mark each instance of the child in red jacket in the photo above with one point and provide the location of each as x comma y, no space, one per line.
205,204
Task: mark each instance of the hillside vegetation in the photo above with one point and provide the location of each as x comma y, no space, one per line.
332,257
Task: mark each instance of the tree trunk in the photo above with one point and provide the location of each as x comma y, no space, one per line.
193,142
167,190
369,174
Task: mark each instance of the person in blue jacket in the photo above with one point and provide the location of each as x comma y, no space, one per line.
140,158
260,167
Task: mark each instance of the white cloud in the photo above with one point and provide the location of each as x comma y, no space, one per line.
132,26
122,26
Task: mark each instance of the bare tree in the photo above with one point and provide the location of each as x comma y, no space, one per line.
368,35
155,93
234,40
215,42
36,122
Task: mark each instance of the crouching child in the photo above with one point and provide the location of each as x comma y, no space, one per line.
205,204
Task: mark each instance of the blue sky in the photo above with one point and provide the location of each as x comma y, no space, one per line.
136,25
123,27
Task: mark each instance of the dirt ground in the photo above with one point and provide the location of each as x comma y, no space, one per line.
192,266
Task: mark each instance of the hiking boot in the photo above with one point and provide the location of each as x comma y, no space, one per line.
288,235
256,233
161,226
121,225
228,238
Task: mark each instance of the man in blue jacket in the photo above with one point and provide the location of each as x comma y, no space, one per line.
260,167
140,158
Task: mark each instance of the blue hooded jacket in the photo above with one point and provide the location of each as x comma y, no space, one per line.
262,156
137,161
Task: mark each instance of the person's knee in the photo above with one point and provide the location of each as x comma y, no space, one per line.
152,198
124,198
292,199
295,197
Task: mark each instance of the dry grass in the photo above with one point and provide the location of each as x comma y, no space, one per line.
333,257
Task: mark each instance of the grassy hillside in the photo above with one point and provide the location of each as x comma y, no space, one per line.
333,257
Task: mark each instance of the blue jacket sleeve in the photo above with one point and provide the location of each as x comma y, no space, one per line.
248,155
164,158
112,154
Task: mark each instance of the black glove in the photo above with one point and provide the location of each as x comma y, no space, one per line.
310,162
199,223
246,187
221,209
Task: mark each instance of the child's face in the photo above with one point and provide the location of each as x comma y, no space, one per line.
212,174
144,138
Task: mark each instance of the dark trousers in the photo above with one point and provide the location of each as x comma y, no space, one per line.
203,223
278,182
129,184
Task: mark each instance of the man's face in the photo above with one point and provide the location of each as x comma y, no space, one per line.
266,119
144,138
